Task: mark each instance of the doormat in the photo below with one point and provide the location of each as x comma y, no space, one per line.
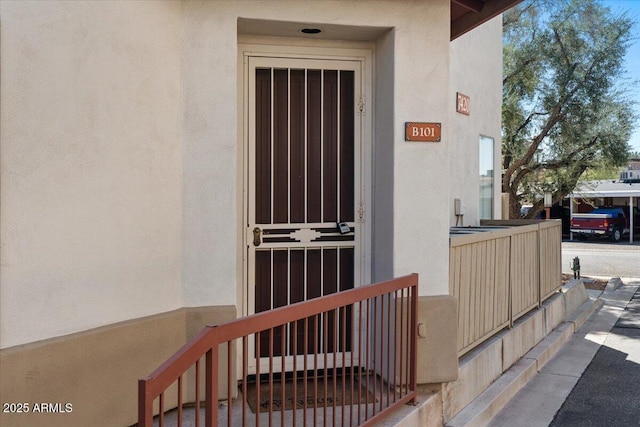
312,397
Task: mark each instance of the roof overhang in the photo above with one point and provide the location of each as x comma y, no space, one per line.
468,14
595,189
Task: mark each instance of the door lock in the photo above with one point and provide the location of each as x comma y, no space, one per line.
257,232
344,228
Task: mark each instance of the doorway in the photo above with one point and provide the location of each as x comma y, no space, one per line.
304,193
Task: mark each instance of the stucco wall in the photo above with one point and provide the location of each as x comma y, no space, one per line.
421,234
96,371
412,174
122,154
476,71
91,165
383,160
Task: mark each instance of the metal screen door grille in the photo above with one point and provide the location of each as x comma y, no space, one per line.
302,182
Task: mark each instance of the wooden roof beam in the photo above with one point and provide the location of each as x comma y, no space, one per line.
472,5
469,21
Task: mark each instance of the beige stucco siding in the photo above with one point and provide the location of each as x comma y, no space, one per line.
410,174
91,170
123,151
476,65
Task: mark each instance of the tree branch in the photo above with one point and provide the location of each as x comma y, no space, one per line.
554,117
565,56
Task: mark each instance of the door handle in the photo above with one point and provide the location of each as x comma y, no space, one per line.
257,239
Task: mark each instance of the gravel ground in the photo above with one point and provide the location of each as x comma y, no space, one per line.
589,282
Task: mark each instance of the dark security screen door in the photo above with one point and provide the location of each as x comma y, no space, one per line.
303,180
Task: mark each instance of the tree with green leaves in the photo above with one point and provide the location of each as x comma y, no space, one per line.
566,104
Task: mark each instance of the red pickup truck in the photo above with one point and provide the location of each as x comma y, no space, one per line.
610,222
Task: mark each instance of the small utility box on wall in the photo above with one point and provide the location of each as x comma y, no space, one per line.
437,339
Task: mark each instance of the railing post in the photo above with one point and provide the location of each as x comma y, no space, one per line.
541,250
211,387
145,412
208,342
414,338
510,281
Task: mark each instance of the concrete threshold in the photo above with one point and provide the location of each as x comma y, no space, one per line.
427,412
428,407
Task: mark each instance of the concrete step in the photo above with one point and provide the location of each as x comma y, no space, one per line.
484,407
427,412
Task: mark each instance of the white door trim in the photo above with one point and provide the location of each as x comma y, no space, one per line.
280,54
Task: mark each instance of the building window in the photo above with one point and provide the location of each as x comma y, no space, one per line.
486,178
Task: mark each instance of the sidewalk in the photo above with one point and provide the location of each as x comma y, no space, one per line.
543,397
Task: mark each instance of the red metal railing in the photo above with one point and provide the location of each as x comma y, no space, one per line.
348,358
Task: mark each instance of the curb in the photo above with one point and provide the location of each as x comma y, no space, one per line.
491,401
538,403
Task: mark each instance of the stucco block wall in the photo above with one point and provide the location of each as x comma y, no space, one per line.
476,371
421,239
91,172
522,338
476,71
122,153
411,235
122,150
96,371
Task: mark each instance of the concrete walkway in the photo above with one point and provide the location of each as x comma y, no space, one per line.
537,403
607,392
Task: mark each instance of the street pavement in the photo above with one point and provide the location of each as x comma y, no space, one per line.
594,380
603,259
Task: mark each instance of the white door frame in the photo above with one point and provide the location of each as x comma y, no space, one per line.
282,55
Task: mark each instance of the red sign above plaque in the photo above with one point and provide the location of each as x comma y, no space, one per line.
462,104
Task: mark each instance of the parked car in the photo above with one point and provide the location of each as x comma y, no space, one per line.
556,212
611,222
